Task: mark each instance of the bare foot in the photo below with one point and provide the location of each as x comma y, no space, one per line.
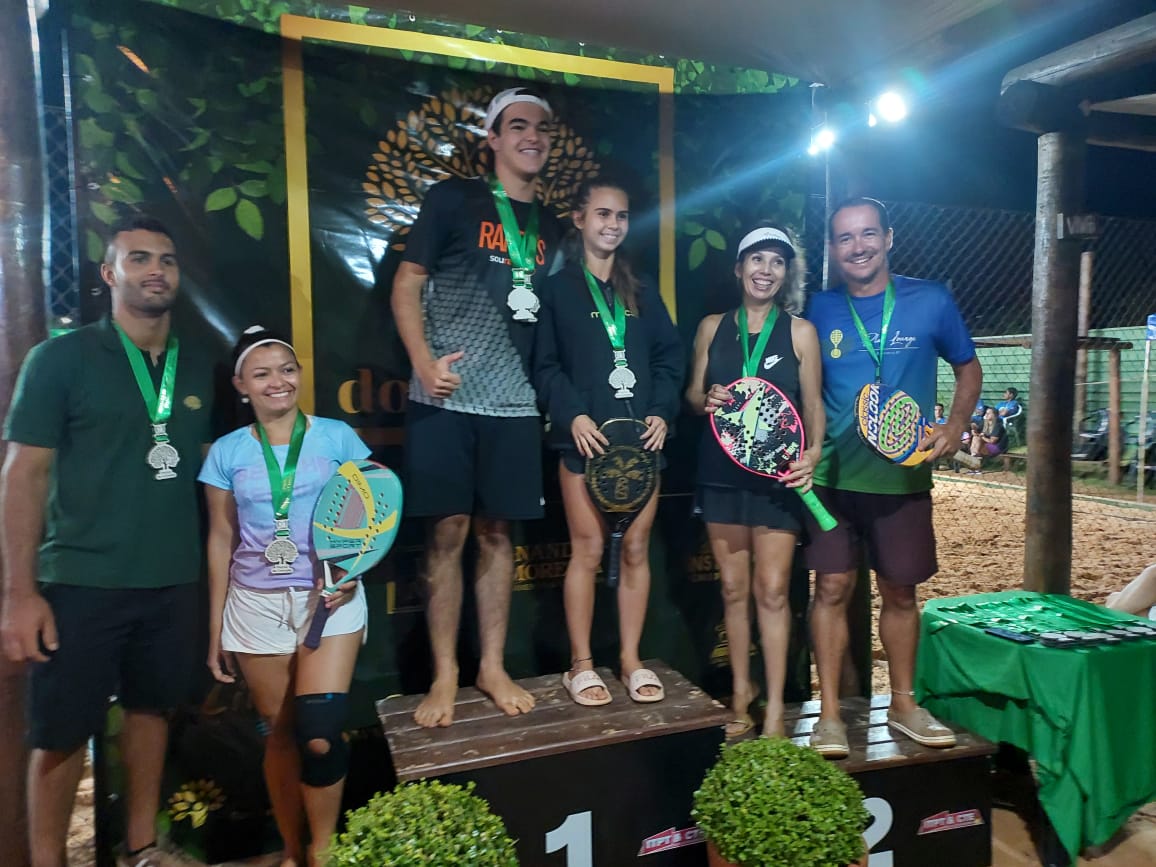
437,708
510,698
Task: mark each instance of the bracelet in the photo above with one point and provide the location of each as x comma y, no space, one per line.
574,662
903,692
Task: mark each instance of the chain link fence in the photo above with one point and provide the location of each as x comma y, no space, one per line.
63,294
985,256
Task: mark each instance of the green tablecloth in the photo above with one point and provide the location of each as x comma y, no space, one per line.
1087,716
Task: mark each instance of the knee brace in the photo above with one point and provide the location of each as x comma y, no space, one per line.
321,717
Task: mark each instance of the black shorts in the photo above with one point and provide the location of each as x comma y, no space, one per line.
897,529
457,463
139,645
777,510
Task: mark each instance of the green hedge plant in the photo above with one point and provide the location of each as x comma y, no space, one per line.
771,803
421,824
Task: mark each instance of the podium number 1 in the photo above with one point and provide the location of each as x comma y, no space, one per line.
573,835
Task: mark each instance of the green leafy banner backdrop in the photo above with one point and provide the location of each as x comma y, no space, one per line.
178,112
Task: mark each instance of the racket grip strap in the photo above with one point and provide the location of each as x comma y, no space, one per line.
824,518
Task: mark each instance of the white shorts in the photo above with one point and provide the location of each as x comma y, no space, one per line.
276,621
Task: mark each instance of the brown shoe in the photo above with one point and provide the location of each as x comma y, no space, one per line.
829,739
922,727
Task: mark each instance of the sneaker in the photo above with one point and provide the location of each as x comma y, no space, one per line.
922,727
829,739
156,856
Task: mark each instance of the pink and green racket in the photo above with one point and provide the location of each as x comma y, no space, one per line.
762,431
355,523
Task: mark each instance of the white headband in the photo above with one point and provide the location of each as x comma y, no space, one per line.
762,235
253,329
506,98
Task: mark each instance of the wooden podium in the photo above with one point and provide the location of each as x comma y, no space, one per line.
928,806
576,786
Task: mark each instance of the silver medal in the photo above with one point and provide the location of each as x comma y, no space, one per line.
282,550
522,299
622,377
162,457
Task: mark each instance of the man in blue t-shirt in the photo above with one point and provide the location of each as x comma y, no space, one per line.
885,505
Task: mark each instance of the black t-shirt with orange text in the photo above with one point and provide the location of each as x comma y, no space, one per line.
458,238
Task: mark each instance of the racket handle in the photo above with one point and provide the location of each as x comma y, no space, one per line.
826,519
317,624
614,558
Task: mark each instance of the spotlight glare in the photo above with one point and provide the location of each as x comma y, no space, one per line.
891,107
872,120
824,138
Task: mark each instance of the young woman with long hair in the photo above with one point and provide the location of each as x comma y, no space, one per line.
593,310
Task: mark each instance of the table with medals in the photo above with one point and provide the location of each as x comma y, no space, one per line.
1068,682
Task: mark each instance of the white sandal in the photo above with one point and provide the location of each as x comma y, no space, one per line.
582,681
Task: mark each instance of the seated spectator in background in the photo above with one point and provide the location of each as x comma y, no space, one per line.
989,438
940,418
1010,406
1139,597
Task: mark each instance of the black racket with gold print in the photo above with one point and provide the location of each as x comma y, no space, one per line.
621,482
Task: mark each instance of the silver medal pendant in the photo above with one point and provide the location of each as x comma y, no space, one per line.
622,377
522,299
282,550
162,457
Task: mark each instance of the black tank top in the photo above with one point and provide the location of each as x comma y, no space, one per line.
778,366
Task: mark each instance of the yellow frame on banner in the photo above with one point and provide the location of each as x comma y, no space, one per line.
295,29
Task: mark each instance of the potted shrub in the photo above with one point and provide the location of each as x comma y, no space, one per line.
771,803
423,823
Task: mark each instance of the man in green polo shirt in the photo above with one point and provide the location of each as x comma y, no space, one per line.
101,539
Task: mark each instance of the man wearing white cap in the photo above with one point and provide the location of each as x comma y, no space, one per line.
465,307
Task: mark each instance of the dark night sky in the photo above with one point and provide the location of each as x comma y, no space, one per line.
952,151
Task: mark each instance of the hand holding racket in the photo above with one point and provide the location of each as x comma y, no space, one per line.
355,523
621,480
891,423
761,431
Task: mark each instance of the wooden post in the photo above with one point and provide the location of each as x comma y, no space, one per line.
1114,416
1083,324
1055,281
21,325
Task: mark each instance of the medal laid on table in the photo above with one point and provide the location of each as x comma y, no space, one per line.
282,551
522,250
163,456
621,377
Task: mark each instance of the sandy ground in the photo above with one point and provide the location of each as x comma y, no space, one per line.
979,527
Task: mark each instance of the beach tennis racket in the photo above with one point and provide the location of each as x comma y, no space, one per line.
893,426
762,431
355,523
621,482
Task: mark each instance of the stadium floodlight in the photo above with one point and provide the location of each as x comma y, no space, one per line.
889,106
821,141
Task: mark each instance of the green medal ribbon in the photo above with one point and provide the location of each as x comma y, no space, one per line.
614,323
158,403
281,482
751,359
888,309
522,248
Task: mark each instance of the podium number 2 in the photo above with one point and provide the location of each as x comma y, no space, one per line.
573,835
881,818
